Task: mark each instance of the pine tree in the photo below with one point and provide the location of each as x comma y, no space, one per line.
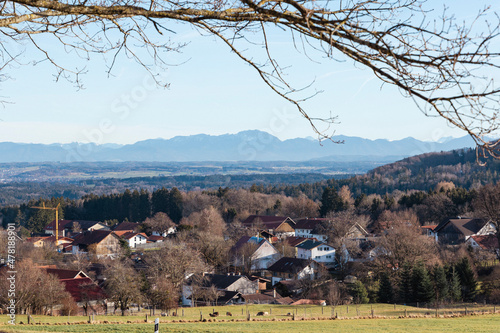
359,293
331,202
159,201
441,289
385,292
175,204
405,287
467,280
423,290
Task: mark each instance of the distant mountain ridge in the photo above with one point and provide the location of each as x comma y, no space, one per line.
252,145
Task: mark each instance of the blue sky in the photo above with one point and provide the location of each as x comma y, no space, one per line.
211,91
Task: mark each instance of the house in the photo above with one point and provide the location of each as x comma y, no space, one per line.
457,230
262,282
254,253
294,241
50,229
319,251
484,243
428,230
305,227
82,288
311,228
155,239
268,297
165,233
46,241
66,227
133,238
293,269
200,284
280,226
126,226
100,242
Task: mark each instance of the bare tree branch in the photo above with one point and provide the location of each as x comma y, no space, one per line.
448,68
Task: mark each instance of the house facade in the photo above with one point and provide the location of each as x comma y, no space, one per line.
280,226
317,251
259,252
458,230
293,269
306,228
67,227
99,242
238,284
134,239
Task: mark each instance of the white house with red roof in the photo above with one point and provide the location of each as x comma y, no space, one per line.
484,243
134,238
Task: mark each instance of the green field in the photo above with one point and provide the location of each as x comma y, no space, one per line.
486,323
317,320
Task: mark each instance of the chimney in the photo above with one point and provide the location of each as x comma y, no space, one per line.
274,292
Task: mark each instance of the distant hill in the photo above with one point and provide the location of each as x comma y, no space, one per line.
244,146
425,171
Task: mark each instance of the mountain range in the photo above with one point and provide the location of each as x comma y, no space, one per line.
250,145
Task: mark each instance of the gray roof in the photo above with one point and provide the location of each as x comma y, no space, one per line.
467,226
220,281
290,265
309,244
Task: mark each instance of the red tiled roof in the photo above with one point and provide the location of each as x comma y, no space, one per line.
431,227
487,242
83,289
294,241
66,273
153,238
131,234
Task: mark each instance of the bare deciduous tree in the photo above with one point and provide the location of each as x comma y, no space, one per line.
487,205
404,243
159,223
446,66
122,284
175,261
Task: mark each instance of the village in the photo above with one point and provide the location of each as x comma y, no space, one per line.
278,260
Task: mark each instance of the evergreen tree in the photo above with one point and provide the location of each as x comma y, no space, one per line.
441,289
175,205
385,292
405,287
331,202
423,290
359,293
159,201
467,280
455,288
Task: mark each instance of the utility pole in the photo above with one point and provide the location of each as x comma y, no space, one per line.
57,218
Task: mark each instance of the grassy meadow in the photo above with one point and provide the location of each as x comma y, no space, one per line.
317,319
